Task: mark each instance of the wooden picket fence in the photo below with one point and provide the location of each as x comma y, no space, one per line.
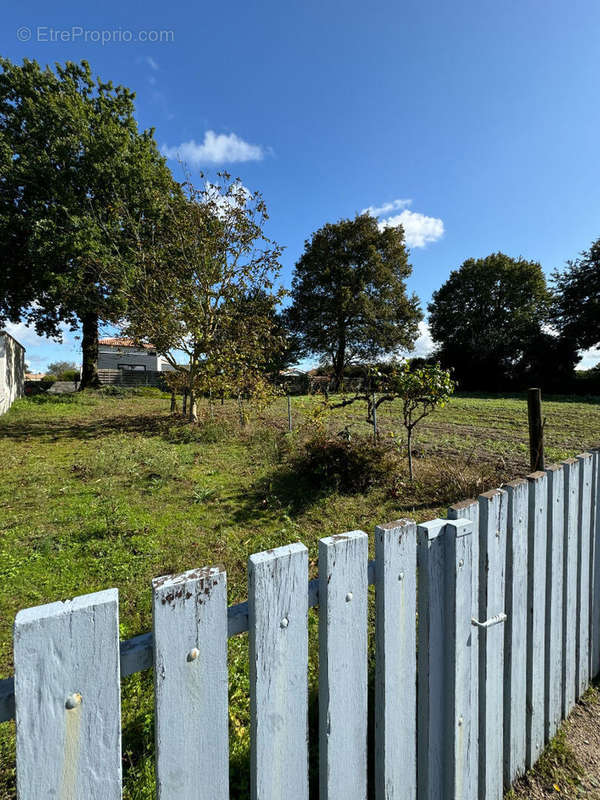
506,592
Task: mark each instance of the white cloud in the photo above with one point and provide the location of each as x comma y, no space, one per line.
217,148
386,208
40,350
424,345
152,63
419,229
589,358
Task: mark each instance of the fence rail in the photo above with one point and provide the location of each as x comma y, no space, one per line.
508,639
132,377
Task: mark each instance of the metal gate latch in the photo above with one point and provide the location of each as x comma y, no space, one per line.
497,620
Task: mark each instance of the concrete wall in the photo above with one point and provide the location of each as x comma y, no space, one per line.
12,371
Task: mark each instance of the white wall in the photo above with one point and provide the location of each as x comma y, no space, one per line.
12,371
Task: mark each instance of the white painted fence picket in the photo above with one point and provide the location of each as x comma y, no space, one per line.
508,608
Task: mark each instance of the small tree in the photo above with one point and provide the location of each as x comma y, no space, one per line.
194,272
420,391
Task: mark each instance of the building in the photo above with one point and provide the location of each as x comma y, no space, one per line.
120,353
12,371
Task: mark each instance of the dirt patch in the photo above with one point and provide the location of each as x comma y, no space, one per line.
570,765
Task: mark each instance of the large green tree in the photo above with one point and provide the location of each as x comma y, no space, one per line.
577,298
488,318
71,158
349,297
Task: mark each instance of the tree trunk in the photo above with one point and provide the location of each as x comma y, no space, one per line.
184,403
338,367
89,351
409,444
193,407
173,402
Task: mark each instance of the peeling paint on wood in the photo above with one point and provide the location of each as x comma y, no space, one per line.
69,750
191,685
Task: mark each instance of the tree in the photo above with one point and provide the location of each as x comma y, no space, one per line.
202,286
577,298
420,390
349,298
58,368
485,317
69,147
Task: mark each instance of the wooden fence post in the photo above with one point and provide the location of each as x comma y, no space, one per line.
595,569
584,572
515,634
536,622
68,703
444,660
469,509
536,430
191,685
278,634
343,589
572,470
396,665
492,564
554,600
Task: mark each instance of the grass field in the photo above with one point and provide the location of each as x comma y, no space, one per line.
98,492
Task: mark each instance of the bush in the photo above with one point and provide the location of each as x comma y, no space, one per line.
349,466
69,375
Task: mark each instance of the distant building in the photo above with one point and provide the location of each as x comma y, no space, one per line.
12,371
120,353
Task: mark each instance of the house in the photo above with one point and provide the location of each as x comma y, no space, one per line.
12,370
121,353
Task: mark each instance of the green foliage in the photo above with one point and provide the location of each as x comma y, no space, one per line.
69,148
349,294
487,317
348,466
203,285
577,298
63,370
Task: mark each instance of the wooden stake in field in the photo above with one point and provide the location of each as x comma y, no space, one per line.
536,430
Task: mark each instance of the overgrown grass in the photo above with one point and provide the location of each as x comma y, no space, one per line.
99,491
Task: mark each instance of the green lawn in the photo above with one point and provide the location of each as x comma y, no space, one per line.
99,491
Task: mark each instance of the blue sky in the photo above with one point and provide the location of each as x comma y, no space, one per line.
476,123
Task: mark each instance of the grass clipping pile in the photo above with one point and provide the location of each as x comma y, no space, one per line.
570,765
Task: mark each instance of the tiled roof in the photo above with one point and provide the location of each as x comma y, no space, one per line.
116,341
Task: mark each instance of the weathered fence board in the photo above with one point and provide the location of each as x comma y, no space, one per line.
278,634
191,685
571,470
515,634
444,659
343,587
68,699
492,564
469,509
595,568
586,463
395,670
554,600
536,622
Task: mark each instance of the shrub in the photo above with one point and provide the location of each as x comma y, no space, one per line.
345,465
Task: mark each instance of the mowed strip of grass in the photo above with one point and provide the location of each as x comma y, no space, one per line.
98,492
